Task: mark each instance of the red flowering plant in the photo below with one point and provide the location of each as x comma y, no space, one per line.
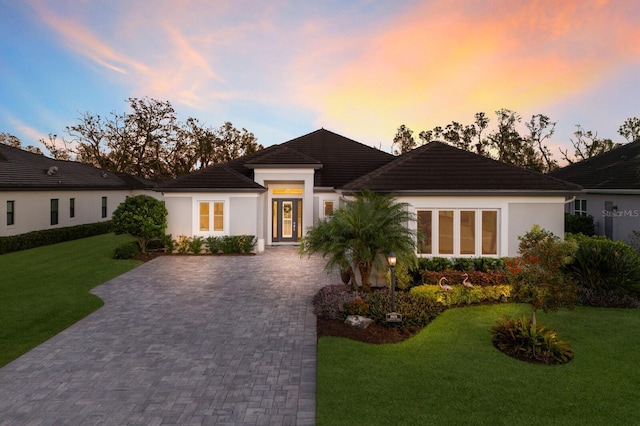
537,275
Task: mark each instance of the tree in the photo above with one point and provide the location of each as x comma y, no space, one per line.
357,235
537,275
142,217
14,141
542,128
403,140
150,142
481,123
630,129
587,144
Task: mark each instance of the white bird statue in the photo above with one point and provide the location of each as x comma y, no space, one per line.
466,282
445,287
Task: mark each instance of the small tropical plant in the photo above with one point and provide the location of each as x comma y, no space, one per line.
522,339
142,217
360,234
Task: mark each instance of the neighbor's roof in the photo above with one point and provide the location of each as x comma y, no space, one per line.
617,169
438,167
337,160
22,170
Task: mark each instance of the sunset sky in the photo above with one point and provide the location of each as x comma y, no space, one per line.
282,69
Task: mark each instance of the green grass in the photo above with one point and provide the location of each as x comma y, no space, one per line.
46,289
450,373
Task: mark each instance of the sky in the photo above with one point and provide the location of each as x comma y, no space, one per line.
360,68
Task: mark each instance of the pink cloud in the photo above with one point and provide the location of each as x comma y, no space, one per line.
445,60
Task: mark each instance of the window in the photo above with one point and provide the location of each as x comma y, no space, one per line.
104,206
11,212
211,216
54,211
425,227
328,208
72,207
470,232
580,207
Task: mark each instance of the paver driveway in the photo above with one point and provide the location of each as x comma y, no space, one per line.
181,340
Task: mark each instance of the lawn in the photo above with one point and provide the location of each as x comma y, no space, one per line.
450,374
46,289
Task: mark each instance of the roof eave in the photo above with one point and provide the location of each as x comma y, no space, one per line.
214,190
284,166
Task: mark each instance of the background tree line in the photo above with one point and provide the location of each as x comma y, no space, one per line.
148,141
528,149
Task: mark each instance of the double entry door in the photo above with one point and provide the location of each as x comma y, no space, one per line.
287,220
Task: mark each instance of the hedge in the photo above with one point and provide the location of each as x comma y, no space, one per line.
52,236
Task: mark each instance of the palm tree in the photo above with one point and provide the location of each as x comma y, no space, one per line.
362,232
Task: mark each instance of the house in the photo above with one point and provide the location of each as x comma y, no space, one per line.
466,204
611,193
37,192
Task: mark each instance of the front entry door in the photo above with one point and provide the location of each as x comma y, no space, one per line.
287,220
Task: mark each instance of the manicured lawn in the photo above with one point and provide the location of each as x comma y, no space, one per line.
46,289
450,374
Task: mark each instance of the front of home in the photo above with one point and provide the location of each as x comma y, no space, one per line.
38,193
465,204
611,193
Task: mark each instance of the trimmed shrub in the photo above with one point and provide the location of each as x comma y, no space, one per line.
53,236
195,245
575,224
247,243
126,250
604,265
416,311
230,244
460,295
332,301
213,244
168,243
519,339
183,243
477,278
607,298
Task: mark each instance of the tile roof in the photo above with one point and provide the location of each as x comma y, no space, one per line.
283,156
616,169
220,177
22,170
438,167
341,160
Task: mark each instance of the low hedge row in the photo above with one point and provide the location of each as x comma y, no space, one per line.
228,244
460,295
52,236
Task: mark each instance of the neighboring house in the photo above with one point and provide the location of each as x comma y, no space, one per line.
611,193
37,192
466,204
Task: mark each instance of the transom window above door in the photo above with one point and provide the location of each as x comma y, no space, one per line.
458,232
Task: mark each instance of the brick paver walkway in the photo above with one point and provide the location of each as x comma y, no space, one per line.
181,340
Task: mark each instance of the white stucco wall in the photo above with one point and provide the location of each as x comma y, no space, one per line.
179,218
244,216
33,208
516,214
523,215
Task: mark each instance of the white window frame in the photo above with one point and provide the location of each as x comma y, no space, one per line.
328,200
211,231
580,211
435,224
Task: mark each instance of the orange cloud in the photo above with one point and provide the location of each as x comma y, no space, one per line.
445,60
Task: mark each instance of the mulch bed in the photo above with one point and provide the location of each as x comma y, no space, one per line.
375,333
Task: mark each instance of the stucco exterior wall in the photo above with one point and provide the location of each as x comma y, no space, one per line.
33,208
624,217
522,216
244,216
179,218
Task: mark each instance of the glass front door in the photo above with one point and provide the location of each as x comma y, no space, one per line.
287,220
